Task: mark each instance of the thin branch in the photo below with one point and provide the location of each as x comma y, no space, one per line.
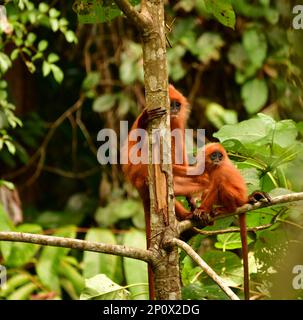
206,268
119,250
292,197
231,230
138,19
70,174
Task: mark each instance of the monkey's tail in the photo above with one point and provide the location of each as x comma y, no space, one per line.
243,234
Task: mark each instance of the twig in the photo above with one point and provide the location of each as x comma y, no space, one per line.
292,197
119,250
231,230
39,153
206,268
71,175
138,19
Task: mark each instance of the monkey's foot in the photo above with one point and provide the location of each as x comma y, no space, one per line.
257,196
202,217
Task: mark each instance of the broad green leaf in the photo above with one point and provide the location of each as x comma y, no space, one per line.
254,94
95,263
230,241
115,211
255,45
100,287
208,46
104,103
222,11
137,239
199,291
226,264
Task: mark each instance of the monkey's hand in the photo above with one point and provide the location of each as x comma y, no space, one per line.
149,115
192,203
257,196
203,217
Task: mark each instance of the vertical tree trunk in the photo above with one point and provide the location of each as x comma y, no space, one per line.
150,22
166,272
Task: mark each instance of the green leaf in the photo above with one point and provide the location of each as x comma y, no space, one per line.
70,36
95,263
137,239
219,116
255,45
5,62
17,254
70,273
54,13
52,58
14,282
49,262
57,73
30,39
222,11
98,12
106,216
46,68
43,7
14,54
208,46
226,264
104,103
91,80
230,241
24,292
42,45
100,287
254,94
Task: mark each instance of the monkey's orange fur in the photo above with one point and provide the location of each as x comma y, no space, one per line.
225,193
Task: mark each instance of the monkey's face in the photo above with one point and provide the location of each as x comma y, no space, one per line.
216,157
175,107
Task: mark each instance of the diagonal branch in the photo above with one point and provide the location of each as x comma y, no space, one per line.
119,250
286,198
205,267
137,18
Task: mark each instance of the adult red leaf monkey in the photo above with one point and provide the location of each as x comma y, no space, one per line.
225,193
138,173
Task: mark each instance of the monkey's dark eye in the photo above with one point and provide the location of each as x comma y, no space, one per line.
216,156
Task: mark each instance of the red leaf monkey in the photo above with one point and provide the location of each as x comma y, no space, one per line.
225,193
138,173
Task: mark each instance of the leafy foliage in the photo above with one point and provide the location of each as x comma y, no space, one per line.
241,66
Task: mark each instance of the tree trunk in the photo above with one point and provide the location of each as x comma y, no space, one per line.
166,271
